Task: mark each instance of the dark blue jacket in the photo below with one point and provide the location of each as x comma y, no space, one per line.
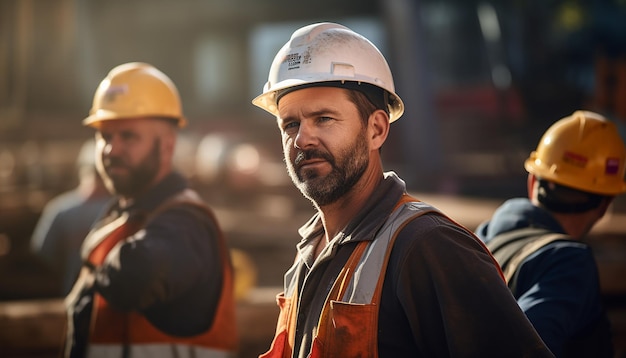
557,286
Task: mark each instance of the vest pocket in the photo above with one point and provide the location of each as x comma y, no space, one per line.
350,331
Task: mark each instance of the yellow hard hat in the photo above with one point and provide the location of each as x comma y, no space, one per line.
134,90
583,151
328,52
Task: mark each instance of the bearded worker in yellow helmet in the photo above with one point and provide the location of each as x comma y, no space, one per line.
573,176
156,279
377,273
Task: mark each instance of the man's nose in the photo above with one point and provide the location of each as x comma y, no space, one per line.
307,136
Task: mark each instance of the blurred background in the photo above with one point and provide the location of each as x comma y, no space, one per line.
481,81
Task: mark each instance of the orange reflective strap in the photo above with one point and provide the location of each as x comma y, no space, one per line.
341,324
282,344
100,242
339,287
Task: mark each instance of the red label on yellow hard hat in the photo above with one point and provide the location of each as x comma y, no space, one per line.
575,159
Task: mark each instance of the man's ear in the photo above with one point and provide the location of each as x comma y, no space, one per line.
168,135
378,129
170,143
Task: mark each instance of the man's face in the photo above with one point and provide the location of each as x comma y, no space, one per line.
128,155
324,142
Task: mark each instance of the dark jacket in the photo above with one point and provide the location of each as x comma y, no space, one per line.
442,296
557,286
169,271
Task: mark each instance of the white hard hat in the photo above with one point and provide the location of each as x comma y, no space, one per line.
328,52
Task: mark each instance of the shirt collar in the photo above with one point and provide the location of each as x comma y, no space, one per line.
366,223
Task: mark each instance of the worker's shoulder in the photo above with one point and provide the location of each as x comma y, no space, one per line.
184,206
432,228
566,249
427,217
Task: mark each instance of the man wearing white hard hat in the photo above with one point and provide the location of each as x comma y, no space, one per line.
377,273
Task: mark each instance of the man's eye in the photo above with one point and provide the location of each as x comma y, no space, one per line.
325,119
127,136
290,125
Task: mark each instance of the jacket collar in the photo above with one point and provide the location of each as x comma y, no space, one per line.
515,214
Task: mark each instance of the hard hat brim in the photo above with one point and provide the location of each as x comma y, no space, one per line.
94,120
268,100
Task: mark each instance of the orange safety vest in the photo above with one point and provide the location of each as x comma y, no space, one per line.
348,324
114,331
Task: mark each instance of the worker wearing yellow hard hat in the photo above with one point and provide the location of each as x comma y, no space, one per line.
157,277
135,90
574,174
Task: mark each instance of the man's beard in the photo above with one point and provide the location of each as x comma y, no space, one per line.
138,178
345,173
